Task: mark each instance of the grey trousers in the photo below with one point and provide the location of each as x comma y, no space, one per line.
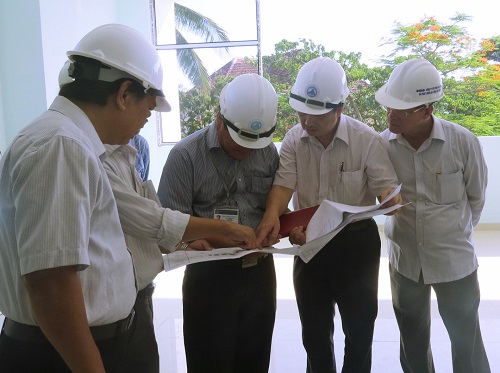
458,303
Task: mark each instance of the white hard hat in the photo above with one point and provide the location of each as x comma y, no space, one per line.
64,77
126,54
249,103
321,86
413,83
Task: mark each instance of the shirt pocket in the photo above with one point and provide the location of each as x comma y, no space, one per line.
350,183
261,185
450,187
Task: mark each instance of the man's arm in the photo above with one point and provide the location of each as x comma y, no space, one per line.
277,203
144,218
476,179
59,309
220,233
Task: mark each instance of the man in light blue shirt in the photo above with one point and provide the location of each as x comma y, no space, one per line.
142,158
430,243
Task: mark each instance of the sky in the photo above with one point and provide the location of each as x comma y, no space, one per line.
348,26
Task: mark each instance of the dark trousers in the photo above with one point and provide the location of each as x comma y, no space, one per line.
344,272
458,303
229,314
142,350
32,357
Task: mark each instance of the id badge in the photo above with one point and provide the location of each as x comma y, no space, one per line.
227,214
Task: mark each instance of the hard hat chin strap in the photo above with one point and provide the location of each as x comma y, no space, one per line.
246,134
308,101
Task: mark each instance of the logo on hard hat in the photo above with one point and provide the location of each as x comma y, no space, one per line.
255,126
312,91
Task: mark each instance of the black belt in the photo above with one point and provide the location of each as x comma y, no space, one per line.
237,263
33,333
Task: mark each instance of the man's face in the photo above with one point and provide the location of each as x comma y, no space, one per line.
135,117
320,126
406,121
227,143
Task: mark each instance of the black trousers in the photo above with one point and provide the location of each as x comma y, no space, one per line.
142,350
229,315
40,357
345,272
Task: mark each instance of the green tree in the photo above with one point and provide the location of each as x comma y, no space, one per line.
471,79
281,69
198,109
470,82
190,21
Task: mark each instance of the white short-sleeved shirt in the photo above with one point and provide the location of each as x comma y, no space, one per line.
145,223
445,181
57,209
353,169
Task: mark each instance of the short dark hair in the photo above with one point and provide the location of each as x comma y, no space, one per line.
96,91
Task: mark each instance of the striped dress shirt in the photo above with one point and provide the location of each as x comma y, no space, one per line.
353,169
57,209
199,177
145,223
445,181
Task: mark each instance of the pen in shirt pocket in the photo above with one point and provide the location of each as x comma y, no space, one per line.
341,170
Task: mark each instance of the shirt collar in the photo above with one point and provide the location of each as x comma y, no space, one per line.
437,132
213,136
81,120
341,133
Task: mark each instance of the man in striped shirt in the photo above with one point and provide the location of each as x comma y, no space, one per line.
225,171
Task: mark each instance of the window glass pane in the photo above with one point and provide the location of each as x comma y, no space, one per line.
240,26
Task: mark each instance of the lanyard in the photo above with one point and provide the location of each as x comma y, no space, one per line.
221,176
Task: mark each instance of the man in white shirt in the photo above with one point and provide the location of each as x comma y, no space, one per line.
68,283
331,156
430,242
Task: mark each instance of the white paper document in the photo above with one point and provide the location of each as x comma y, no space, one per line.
332,217
325,224
181,258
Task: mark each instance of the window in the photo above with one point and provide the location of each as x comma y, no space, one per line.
201,47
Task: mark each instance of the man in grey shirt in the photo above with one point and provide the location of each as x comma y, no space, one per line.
430,243
225,171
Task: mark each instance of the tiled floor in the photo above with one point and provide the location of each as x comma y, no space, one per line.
288,355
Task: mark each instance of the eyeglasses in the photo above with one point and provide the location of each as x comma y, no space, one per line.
402,113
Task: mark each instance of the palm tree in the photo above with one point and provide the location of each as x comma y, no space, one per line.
200,25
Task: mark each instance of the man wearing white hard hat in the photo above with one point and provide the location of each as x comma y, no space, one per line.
225,171
68,283
430,242
331,156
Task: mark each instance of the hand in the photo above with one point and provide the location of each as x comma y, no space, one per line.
392,202
242,236
268,230
199,245
297,236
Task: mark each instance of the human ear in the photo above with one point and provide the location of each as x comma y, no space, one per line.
123,95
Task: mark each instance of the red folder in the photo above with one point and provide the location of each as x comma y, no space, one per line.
293,219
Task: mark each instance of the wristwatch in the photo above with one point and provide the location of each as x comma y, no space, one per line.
182,246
